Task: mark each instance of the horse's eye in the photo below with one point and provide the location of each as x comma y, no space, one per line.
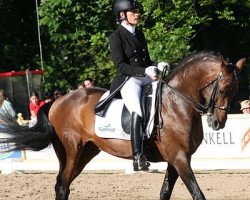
222,92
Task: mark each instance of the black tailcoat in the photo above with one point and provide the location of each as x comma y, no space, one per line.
129,54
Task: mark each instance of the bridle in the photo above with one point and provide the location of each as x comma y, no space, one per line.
211,105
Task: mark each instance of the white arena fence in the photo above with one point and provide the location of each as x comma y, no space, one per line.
228,148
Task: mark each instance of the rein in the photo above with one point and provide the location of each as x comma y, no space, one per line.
200,108
196,105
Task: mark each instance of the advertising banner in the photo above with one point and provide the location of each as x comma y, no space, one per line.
227,148
12,154
233,141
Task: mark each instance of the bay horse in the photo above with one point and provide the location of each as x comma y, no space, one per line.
202,83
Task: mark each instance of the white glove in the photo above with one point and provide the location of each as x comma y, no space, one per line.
162,65
151,71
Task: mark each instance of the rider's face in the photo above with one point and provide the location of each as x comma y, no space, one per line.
133,16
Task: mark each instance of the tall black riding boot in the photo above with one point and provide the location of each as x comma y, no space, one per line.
140,162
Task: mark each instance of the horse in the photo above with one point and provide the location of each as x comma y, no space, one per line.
203,83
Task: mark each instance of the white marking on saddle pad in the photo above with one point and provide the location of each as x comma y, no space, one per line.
110,126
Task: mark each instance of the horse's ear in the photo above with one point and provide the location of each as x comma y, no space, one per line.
223,66
240,64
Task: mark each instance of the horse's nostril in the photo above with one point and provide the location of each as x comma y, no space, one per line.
209,121
216,125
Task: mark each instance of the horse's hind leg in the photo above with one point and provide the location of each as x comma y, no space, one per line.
168,183
61,155
71,165
88,151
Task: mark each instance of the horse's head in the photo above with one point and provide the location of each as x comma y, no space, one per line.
220,91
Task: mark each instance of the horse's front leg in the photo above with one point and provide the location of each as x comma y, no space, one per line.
182,165
168,183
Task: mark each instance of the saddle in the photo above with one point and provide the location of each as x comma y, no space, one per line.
105,107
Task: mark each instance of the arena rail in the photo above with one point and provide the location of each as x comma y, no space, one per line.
228,148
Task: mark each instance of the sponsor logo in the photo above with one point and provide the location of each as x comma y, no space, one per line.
106,128
245,139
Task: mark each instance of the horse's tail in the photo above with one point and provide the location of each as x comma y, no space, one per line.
16,137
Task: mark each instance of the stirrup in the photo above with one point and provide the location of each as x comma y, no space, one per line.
140,163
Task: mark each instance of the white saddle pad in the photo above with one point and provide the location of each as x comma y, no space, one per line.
110,126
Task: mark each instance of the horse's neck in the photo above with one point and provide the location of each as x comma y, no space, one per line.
190,79
184,87
186,84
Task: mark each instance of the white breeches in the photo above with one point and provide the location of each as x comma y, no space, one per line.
131,93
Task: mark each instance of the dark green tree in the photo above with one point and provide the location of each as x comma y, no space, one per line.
75,35
19,48
78,47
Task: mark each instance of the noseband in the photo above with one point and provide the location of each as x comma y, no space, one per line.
211,105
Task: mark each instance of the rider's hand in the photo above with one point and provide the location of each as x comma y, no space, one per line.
162,65
151,71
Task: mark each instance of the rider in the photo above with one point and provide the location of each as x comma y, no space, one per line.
130,55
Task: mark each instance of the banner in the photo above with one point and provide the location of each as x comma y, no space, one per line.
12,154
233,141
227,148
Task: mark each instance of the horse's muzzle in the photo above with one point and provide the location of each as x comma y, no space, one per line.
213,122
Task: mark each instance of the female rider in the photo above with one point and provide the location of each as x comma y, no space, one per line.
130,55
